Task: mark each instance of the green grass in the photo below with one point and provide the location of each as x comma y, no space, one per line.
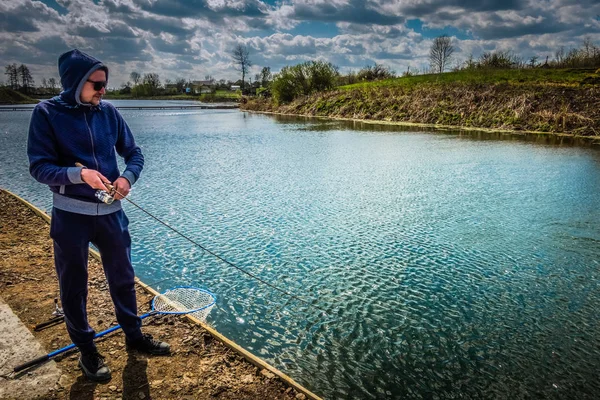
9,96
228,93
566,77
218,96
558,101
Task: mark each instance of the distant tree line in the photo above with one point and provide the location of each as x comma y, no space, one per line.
150,84
313,76
442,50
19,78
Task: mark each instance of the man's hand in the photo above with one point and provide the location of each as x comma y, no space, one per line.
122,188
94,178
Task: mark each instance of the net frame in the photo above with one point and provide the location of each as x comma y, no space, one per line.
184,300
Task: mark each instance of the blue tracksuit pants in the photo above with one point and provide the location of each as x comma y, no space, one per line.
72,233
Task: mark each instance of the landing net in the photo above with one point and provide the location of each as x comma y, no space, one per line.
185,300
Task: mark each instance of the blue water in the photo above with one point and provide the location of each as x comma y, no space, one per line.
449,265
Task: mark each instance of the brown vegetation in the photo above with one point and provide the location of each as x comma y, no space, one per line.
526,107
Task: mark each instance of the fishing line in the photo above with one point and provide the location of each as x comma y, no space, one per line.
243,270
250,274
113,190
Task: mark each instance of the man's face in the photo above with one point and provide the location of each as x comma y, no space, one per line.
88,94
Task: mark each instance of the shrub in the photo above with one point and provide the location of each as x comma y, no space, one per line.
499,60
302,80
375,73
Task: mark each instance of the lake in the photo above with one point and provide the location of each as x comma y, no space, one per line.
432,264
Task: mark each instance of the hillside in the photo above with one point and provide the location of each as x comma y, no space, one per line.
540,100
9,96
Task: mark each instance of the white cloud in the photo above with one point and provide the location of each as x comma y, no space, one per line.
195,38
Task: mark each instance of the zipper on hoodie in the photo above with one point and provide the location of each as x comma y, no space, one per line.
91,141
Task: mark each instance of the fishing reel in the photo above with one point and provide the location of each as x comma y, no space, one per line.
106,196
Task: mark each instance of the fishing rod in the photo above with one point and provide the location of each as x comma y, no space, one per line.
108,197
58,315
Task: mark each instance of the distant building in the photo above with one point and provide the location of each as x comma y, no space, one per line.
200,87
171,88
235,87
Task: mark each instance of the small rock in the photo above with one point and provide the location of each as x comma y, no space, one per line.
268,374
288,390
247,379
141,395
63,381
112,388
188,378
301,396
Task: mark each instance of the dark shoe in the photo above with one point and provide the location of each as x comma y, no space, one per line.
146,344
93,366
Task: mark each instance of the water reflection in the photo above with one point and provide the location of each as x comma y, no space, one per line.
317,124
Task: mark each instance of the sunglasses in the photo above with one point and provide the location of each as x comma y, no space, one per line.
98,85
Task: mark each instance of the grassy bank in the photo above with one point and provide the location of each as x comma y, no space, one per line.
221,96
9,96
553,101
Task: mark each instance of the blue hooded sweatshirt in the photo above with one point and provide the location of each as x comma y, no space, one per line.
63,131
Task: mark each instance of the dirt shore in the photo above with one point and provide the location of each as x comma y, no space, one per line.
199,367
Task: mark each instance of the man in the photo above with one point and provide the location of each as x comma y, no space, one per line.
77,127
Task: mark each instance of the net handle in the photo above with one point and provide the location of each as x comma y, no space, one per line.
165,297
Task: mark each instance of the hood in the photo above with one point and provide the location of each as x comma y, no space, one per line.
75,67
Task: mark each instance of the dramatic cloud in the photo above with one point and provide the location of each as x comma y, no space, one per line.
357,11
195,38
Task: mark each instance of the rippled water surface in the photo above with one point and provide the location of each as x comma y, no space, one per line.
448,266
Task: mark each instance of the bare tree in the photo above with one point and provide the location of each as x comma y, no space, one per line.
588,47
26,78
152,80
13,76
241,57
440,53
265,76
559,55
52,83
135,77
533,61
180,82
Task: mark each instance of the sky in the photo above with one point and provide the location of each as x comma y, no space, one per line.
192,39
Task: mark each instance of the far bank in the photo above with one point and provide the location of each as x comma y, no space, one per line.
555,107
